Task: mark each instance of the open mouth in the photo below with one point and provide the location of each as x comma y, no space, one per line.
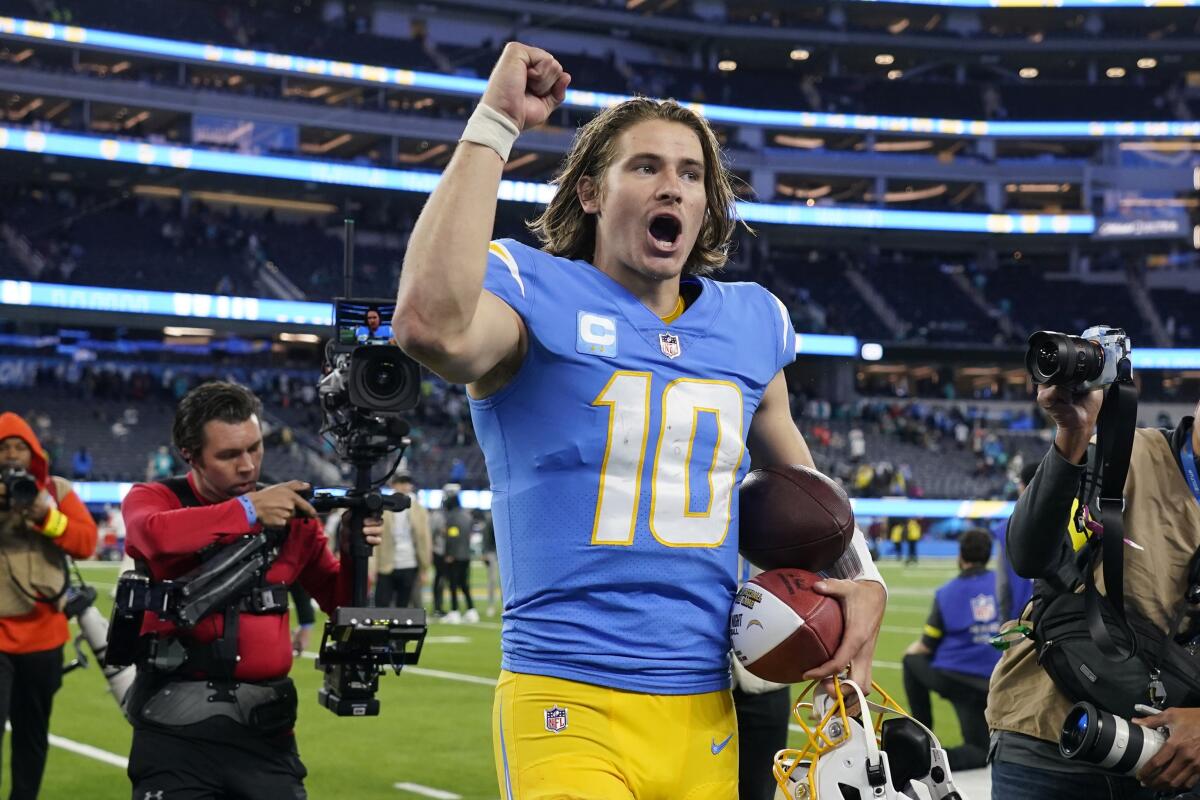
664,232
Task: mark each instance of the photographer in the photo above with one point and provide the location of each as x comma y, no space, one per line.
221,721
41,518
1162,529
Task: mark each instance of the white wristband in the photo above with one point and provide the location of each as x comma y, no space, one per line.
490,128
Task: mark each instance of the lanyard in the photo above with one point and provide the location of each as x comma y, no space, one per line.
1190,470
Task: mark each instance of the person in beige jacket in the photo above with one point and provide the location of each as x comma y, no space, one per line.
402,558
1162,526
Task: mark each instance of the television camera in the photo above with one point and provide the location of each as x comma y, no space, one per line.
368,385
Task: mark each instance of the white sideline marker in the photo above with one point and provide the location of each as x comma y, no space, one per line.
426,791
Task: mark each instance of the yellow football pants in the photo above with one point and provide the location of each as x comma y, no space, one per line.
562,740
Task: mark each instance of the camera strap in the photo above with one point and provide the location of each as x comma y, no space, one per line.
1187,458
1114,446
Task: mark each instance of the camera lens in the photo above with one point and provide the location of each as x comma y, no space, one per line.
1075,729
1047,358
383,378
1114,743
1057,359
21,486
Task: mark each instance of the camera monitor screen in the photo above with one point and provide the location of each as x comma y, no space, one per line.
364,321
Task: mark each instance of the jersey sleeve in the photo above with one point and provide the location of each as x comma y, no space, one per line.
510,272
783,333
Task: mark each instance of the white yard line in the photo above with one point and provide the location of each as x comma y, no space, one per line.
902,629
85,750
88,751
427,791
112,759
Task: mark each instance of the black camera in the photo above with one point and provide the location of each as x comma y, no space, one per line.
1112,742
368,373
21,488
1090,361
369,384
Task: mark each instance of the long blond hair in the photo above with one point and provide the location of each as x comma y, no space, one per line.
564,229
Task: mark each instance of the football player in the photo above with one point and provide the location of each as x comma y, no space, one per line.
615,391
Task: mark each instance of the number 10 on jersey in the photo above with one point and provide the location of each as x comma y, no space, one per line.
673,522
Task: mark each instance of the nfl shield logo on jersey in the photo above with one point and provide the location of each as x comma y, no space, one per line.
983,607
556,719
669,343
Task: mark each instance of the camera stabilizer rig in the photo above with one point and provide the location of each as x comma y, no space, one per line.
369,384
359,642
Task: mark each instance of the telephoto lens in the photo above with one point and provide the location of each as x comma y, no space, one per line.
1106,740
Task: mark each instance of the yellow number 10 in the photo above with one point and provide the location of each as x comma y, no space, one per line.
672,522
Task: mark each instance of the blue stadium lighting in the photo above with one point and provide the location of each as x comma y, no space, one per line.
841,217
579,98
295,312
341,174
111,492
295,169
931,509
823,344
1165,358
171,304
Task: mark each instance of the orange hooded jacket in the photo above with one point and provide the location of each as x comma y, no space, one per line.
45,627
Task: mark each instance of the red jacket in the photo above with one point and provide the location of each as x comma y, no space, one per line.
165,536
45,627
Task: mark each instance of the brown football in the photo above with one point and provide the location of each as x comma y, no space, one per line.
793,516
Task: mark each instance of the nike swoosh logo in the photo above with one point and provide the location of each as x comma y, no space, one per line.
717,748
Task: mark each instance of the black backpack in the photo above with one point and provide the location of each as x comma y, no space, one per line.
1154,669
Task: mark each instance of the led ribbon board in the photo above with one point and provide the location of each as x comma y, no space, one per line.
171,304
342,174
581,98
187,305
99,492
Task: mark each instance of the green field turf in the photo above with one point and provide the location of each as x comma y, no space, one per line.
435,726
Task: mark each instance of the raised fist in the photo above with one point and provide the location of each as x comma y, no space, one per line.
526,85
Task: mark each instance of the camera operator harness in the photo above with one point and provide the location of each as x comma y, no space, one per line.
230,580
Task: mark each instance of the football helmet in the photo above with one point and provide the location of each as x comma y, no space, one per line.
886,756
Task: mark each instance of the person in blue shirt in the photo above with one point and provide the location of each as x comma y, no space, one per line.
618,395
81,464
954,656
1012,590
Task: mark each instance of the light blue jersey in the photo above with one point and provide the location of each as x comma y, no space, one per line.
615,455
